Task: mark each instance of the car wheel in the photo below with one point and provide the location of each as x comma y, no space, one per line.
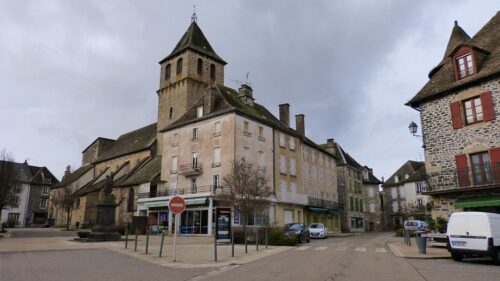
299,239
456,257
496,257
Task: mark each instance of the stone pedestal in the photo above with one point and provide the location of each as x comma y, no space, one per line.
105,228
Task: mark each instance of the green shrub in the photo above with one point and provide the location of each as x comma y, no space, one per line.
431,223
441,225
399,232
278,238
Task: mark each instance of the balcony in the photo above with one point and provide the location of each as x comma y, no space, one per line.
292,197
324,203
190,170
182,191
476,176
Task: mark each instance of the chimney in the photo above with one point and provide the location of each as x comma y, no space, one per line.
285,114
68,170
245,93
299,124
209,101
329,141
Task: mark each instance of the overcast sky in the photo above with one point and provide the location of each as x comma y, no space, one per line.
72,71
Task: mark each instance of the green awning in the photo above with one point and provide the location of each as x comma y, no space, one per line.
318,210
476,202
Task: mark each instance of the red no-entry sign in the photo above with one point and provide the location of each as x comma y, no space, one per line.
176,205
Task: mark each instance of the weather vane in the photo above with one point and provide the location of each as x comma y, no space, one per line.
194,18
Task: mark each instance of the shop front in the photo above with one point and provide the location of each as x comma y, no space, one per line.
327,216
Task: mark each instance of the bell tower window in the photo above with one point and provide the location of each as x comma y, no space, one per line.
167,71
212,71
199,67
179,66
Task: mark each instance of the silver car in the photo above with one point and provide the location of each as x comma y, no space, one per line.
318,230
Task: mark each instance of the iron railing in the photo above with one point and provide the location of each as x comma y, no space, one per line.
325,203
292,197
179,191
191,169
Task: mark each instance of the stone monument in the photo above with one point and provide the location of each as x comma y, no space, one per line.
105,228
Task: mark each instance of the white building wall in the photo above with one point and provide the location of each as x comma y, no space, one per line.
21,209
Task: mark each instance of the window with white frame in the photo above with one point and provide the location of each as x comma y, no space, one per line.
293,171
43,203
402,192
262,159
282,164
394,192
420,187
246,126
291,143
372,207
216,181
293,191
261,133
194,159
371,192
283,189
173,186
199,111
194,186
216,160
217,128
395,207
195,134
420,202
45,190
282,139
173,169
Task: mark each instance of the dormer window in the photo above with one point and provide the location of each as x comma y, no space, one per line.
199,111
464,66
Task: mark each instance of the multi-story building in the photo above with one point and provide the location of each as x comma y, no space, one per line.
404,194
459,108
33,199
372,200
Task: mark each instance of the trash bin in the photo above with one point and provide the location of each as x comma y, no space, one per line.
421,239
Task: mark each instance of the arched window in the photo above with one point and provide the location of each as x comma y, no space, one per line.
130,203
171,112
167,71
179,66
199,66
212,71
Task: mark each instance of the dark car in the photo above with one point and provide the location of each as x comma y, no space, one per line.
300,231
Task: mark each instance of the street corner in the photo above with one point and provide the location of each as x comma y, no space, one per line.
402,250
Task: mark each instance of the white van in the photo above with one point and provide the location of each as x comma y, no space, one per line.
415,225
474,234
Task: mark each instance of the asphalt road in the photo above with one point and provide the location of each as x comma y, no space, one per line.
39,232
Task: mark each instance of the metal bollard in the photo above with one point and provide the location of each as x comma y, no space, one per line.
147,241
135,245
232,243
161,243
266,239
215,247
257,240
126,238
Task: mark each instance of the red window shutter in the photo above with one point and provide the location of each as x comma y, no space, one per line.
462,171
488,108
495,163
456,118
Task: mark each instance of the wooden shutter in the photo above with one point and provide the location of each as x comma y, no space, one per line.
495,163
462,171
456,118
488,107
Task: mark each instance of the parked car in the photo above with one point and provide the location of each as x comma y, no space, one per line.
473,234
415,225
318,230
300,231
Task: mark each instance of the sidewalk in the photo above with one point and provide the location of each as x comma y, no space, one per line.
400,249
191,252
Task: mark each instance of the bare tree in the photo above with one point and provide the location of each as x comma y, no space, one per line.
65,199
10,182
247,188
412,210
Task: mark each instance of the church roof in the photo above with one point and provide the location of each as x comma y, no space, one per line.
442,79
194,39
143,174
76,174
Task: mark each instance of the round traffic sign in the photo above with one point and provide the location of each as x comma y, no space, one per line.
176,205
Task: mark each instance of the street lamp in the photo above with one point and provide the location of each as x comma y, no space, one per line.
413,130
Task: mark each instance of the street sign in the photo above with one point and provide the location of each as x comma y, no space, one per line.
176,205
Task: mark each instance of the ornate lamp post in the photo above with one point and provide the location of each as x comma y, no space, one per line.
413,127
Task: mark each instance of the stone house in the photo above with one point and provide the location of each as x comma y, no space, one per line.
404,194
31,208
372,201
459,108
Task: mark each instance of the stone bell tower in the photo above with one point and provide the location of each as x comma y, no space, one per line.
191,67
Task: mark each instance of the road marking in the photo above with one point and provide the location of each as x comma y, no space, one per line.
302,248
211,273
340,248
380,250
321,248
360,249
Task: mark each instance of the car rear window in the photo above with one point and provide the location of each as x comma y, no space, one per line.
316,225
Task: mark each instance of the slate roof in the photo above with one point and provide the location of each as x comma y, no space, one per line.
409,167
226,101
28,172
442,79
194,39
146,172
67,179
130,142
371,178
93,185
344,157
419,175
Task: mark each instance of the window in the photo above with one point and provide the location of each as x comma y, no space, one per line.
283,189
216,160
216,181
261,134
420,187
246,153
407,176
43,203
194,160
394,192
473,110
396,178
195,134
361,205
167,71
282,139
13,217
175,139
351,203
395,207
402,192
171,113
372,207
292,167
464,66
199,66
282,164
130,201
371,192
481,168
212,71
291,143
262,160
199,111
179,66
216,128
194,188
45,190
173,169
420,202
